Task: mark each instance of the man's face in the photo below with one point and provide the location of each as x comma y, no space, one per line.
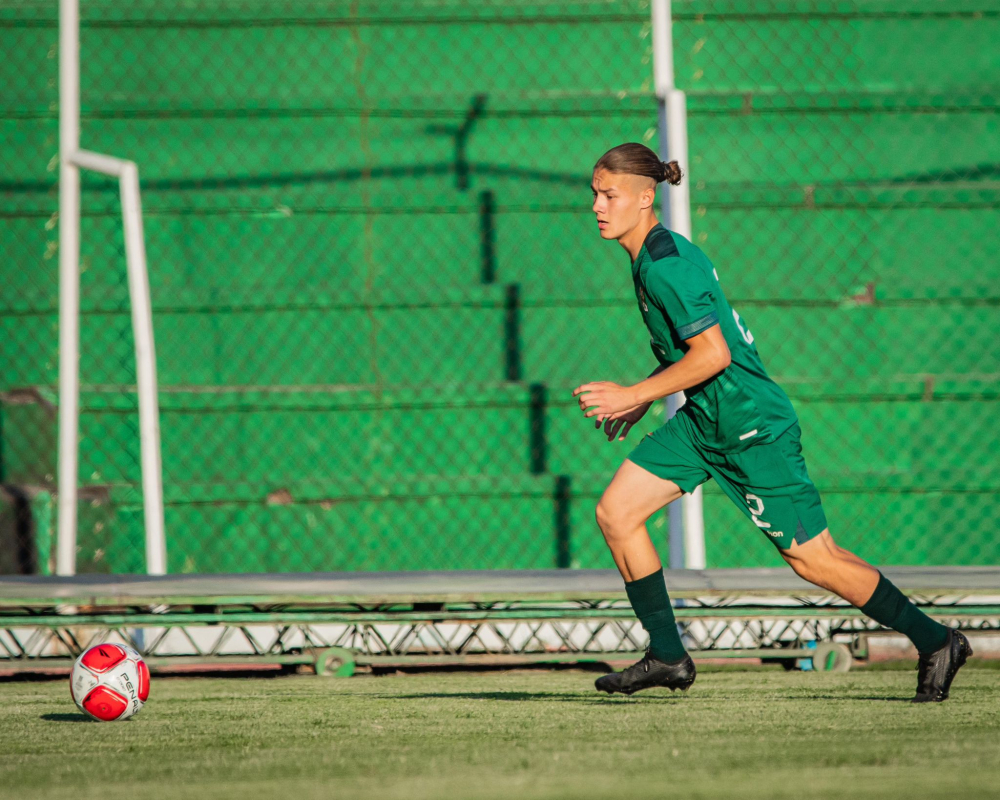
618,201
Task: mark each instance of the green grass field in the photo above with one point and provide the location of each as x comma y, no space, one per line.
746,733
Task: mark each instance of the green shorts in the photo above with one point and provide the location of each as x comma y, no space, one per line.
769,482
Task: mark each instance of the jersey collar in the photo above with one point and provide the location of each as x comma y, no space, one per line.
643,252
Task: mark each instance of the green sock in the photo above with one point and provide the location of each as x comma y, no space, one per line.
651,604
888,606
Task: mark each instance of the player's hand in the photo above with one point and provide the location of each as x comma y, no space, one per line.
603,398
621,423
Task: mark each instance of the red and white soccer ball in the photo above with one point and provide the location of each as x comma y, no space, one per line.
110,682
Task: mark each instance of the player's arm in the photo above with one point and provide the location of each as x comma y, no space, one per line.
685,295
639,409
618,425
643,406
707,356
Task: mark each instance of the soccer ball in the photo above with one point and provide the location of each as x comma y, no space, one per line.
109,682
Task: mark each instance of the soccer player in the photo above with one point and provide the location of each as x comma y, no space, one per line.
737,426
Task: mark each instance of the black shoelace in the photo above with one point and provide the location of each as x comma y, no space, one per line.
643,662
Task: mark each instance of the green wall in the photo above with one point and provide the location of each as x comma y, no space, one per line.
336,376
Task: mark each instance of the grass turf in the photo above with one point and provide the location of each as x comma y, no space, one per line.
756,733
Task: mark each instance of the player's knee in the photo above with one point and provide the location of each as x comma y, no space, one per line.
604,517
611,522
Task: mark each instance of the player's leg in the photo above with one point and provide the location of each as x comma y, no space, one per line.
821,561
942,650
632,497
771,485
655,474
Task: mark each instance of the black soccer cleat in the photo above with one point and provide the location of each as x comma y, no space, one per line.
938,669
647,673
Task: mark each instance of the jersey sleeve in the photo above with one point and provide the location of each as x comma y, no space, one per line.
685,294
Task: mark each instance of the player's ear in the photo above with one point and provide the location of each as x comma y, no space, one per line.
647,198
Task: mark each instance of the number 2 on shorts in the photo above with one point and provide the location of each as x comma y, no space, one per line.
756,509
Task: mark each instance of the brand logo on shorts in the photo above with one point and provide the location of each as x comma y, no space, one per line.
775,534
642,299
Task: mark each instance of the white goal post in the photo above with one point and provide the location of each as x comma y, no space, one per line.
71,161
687,523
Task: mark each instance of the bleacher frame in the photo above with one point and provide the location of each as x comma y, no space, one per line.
332,623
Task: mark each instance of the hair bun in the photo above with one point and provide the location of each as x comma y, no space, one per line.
633,158
671,172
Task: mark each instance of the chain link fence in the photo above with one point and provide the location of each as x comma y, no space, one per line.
844,162
376,280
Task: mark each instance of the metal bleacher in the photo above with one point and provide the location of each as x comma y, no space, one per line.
336,622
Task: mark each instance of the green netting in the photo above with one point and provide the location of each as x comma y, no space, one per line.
376,280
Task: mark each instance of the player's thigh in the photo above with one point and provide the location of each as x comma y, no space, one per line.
821,550
662,466
633,496
771,486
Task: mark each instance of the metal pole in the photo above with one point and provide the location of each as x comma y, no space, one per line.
675,511
663,48
687,525
680,220
69,283
677,150
145,362
70,161
145,352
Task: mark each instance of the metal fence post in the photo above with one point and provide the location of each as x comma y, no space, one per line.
687,525
69,282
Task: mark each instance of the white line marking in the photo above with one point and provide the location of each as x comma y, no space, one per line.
748,435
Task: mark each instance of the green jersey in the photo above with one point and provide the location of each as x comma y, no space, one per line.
679,296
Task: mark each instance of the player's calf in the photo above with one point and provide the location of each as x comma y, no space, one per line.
942,651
